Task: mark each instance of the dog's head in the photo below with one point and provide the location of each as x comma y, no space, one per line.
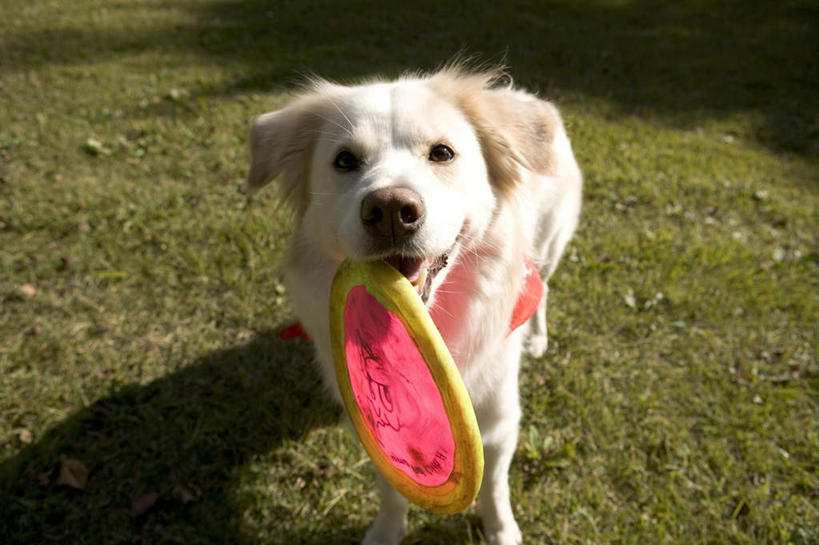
408,171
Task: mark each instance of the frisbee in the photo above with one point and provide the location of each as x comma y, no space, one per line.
401,389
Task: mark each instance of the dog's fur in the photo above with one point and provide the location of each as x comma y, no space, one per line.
512,189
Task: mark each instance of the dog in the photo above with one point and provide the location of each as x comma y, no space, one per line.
455,178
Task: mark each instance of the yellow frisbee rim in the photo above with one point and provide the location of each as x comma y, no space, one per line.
396,294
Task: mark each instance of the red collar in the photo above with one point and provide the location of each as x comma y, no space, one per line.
528,301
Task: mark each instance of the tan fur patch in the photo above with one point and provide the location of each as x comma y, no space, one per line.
515,129
282,142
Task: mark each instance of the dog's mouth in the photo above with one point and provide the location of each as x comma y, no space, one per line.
420,271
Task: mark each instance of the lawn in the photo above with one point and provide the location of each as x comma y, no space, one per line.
146,398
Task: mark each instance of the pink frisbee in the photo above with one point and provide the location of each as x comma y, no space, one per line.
401,388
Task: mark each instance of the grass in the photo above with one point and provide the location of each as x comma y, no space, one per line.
139,295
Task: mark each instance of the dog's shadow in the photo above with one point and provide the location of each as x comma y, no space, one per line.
163,458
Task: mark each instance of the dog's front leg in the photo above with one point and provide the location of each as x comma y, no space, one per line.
391,523
498,418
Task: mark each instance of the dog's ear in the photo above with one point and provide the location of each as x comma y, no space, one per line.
281,143
515,129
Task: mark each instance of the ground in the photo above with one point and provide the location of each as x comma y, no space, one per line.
146,398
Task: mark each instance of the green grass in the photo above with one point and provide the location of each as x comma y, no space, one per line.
140,297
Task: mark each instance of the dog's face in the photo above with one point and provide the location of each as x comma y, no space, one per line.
399,171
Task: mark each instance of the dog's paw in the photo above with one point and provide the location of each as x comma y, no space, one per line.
371,540
380,535
508,535
536,345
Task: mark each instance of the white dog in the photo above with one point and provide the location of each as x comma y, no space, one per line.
453,178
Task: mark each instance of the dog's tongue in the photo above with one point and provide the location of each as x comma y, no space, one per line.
411,267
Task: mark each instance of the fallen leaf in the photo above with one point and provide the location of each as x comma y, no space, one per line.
25,436
73,473
27,290
66,263
142,503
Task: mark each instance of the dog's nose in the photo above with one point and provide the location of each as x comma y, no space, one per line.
392,212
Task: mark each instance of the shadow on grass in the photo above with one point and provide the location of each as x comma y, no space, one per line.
678,63
185,437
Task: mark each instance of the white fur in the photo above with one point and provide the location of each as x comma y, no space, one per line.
529,207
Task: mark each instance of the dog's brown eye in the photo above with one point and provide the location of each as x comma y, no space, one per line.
441,154
345,161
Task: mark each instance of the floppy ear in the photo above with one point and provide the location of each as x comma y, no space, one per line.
282,142
516,130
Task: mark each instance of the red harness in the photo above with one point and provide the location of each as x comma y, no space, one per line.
529,297
527,303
